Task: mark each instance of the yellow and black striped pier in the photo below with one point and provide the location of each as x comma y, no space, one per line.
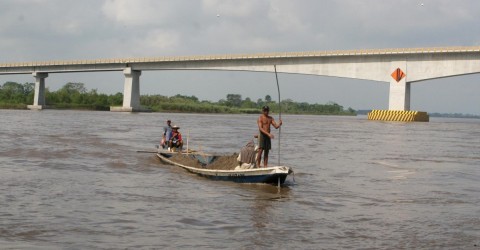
398,116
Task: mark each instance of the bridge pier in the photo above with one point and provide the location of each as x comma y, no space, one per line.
399,98
131,92
39,96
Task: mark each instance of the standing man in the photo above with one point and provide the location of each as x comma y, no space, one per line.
167,133
264,139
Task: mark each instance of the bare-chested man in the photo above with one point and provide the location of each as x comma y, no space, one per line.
264,138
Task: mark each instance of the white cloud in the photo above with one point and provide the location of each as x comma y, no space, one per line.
232,8
160,40
145,13
286,17
140,12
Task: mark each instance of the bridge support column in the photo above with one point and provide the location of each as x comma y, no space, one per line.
399,98
131,89
131,92
39,96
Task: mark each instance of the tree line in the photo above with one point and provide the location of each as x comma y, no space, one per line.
75,96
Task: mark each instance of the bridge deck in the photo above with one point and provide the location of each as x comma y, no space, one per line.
332,53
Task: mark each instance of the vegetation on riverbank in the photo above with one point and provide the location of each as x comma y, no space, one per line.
454,115
75,96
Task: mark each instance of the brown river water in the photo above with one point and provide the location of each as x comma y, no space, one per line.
74,180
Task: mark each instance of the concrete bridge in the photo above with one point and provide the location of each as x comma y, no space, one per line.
398,67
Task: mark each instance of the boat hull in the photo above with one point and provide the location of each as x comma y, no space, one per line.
246,178
271,175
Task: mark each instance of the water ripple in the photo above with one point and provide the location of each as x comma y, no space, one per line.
73,180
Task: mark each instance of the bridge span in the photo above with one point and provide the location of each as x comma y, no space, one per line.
398,67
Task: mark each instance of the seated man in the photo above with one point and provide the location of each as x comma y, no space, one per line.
176,139
247,156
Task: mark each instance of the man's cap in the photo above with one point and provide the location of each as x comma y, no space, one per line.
175,127
266,108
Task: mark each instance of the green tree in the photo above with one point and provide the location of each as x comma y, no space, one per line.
260,102
116,99
74,87
13,92
28,88
184,98
268,98
234,100
247,103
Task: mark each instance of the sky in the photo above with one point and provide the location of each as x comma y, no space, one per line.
42,30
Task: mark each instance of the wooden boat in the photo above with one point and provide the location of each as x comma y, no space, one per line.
273,175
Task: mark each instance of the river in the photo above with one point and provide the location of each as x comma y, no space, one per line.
74,180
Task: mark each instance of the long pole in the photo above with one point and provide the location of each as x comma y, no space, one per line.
279,113
188,135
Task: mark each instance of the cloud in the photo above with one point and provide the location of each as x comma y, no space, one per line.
231,8
289,16
136,13
150,13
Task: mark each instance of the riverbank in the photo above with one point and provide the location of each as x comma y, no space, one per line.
173,109
76,97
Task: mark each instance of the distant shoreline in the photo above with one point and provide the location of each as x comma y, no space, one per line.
103,108
75,96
